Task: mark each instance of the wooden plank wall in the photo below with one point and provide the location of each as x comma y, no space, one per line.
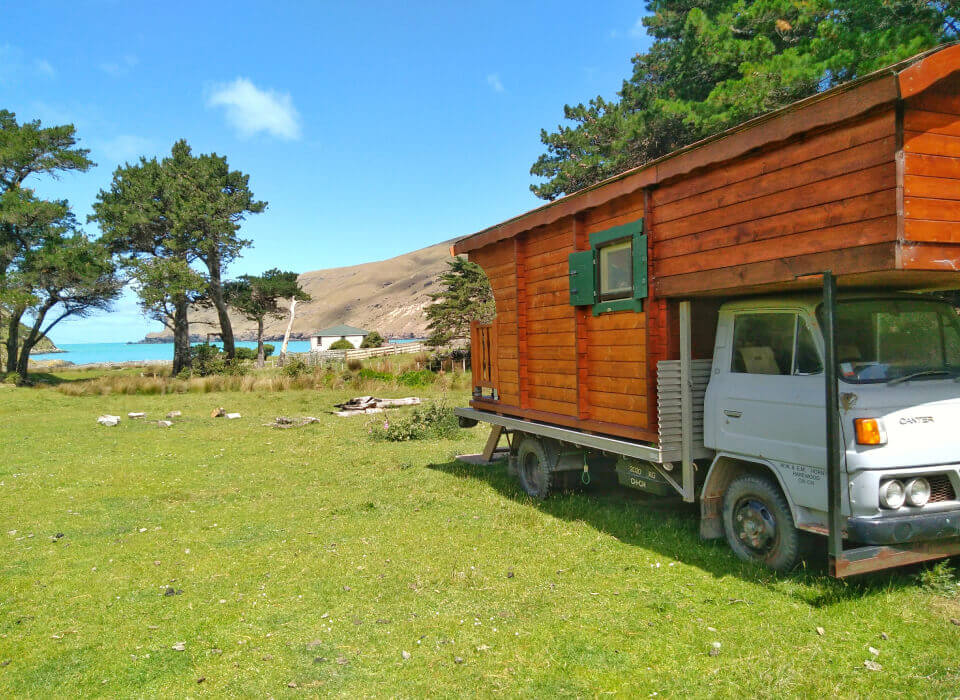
616,343
559,362
499,262
931,178
551,352
828,200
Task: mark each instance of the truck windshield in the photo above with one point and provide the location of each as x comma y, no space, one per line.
882,340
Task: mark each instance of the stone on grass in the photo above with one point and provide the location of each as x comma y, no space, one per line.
109,421
232,416
872,665
136,414
821,631
174,414
405,654
164,424
179,646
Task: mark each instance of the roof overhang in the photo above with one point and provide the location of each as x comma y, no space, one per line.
844,102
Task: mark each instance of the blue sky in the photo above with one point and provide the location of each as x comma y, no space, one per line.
372,129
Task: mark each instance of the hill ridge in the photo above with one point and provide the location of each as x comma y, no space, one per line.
387,296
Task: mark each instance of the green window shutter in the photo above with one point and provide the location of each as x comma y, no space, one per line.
582,282
639,266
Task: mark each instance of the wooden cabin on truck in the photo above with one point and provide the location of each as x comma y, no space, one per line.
625,310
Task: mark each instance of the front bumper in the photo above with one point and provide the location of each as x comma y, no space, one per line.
904,528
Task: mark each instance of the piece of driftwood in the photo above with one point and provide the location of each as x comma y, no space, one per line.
362,405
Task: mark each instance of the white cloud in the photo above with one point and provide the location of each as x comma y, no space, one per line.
251,110
121,67
638,31
493,80
44,67
124,148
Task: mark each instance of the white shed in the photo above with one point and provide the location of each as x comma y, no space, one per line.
323,339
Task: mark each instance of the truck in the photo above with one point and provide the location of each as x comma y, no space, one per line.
756,322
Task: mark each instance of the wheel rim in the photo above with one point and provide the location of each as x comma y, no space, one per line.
755,527
531,472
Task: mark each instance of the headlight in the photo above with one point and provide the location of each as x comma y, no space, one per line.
918,492
892,494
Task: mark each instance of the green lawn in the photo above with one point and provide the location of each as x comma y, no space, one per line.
316,557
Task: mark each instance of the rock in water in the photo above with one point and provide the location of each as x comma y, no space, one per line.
109,421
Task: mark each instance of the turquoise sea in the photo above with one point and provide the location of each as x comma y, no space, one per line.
86,353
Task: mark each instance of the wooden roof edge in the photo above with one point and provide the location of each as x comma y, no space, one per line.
838,104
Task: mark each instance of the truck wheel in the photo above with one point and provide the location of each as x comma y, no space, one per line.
533,469
758,524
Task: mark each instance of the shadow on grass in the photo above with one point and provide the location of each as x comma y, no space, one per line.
670,527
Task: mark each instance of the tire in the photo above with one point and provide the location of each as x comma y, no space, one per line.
533,468
758,524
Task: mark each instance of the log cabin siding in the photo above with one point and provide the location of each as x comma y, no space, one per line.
931,178
499,263
830,191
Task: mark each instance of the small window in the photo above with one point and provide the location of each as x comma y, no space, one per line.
616,270
763,343
612,274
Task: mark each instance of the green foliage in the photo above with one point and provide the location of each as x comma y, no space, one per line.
465,296
372,340
208,360
367,373
417,378
428,420
166,216
49,270
342,344
295,367
940,579
244,353
716,64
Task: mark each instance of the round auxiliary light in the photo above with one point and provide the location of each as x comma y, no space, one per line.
918,492
892,494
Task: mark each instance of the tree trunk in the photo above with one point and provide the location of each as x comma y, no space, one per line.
181,336
260,342
216,296
33,337
286,336
13,339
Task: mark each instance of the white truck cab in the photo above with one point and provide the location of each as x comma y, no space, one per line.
899,386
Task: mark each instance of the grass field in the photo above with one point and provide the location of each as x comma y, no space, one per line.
315,561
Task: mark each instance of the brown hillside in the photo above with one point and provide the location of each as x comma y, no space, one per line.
386,296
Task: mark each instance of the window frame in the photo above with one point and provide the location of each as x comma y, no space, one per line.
799,319
588,264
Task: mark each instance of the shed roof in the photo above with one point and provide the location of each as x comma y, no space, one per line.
838,104
340,330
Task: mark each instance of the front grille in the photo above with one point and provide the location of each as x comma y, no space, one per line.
941,489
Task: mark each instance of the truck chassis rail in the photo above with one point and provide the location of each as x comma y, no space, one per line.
602,443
